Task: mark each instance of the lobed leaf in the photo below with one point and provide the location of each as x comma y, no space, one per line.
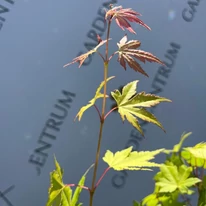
61,194
124,16
80,59
92,101
126,159
156,198
172,178
129,100
195,156
128,52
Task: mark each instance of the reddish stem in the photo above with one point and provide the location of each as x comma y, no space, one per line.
112,55
100,179
110,112
75,185
97,111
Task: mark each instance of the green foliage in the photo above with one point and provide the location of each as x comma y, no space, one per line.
131,104
92,101
171,178
60,193
195,156
177,179
166,199
126,159
178,175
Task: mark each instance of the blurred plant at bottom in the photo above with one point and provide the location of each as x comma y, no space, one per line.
181,176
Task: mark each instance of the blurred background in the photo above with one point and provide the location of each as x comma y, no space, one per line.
40,98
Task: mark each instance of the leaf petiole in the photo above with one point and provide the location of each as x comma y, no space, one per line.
97,111
100,179
110,112
75,185
112,55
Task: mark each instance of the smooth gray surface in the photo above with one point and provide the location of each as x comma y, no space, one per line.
36,39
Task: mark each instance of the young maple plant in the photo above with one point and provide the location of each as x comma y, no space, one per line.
129,104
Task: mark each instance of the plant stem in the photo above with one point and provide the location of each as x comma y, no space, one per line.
75,185
97,111
110,112
92,190
100,179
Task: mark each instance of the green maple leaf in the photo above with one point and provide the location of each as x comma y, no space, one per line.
126,159
172,178
58,192
150,200
195,156
93,100
131,104
156,198
61,194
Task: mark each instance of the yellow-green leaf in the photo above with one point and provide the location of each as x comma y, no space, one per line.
59,170
66,196
195,156
130,105
146,100
60,194
178,146
126,159
93,100
55,190
78,190
173,178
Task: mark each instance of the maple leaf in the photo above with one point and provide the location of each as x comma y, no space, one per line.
80,59
172,178
126,159
122,16
195,156
128,102
159,199
61,194
128,50
93,100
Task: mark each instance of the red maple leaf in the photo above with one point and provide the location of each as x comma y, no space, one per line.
122,16
128,50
